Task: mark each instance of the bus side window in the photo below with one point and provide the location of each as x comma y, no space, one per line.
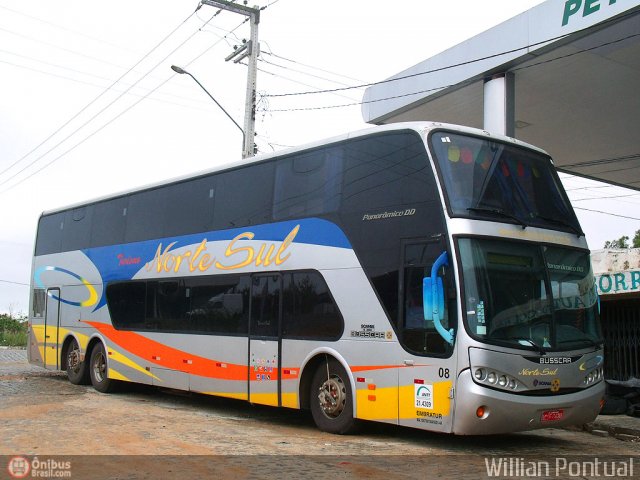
308,184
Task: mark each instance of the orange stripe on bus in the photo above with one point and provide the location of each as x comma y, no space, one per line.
168,357
174,359
364,368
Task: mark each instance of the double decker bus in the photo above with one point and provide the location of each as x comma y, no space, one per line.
418,274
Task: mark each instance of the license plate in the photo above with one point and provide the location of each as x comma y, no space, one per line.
552,415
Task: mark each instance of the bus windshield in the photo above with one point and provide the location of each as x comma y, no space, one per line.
529,296
486,179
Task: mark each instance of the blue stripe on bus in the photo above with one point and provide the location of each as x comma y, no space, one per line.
122,262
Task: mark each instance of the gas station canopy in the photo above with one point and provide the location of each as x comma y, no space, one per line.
573,88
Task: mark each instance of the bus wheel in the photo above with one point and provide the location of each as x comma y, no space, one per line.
98,370
77,370
331,399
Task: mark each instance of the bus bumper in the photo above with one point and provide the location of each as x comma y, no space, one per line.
505,412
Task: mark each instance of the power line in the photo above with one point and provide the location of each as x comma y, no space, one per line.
615,170
584,50
299,83
381,82
77,80
14,283
269,4
326,107
64,49
605,198
302,72
75,32
459,84
87,106
203,30
467,62
606,213
117,116
589,188
312,67
603,161
588,183
101,110
161,100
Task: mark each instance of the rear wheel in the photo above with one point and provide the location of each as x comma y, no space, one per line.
77,370
98,370
331,399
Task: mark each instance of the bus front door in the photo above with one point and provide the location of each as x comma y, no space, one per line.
51,325
264,340
426,383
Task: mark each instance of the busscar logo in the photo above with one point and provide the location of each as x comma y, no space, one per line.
555,360
367,331
546,360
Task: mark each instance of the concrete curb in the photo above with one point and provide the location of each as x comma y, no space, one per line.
610,428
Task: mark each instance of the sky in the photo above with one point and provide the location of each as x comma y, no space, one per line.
89,105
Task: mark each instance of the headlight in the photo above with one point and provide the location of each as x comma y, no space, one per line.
493,378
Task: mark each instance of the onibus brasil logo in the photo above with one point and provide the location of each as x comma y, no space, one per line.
21,467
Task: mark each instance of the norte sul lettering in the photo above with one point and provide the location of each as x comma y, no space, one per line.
236,257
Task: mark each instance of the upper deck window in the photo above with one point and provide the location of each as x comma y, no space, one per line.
486,179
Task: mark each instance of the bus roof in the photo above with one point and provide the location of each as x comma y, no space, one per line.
421,127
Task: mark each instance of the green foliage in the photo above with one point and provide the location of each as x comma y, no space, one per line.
622,242
13,331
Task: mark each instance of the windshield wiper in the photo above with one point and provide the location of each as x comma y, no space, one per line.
498,211
557,221
539,348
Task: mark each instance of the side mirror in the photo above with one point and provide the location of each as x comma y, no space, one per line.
432,302
433,298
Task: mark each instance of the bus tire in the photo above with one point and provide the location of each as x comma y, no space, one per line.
77,370
331,399
98,370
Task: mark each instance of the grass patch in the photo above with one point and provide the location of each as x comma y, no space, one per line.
13,331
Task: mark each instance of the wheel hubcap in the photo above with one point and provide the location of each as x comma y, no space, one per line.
73,360
99,367
333,397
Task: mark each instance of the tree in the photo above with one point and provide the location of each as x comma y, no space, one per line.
622,242
636,239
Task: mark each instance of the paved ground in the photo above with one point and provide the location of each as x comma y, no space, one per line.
165,435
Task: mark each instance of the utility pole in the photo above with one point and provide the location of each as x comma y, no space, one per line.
249,50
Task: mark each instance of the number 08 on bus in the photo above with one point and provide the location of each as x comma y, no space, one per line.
417,274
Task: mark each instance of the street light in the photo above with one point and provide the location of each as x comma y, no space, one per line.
183,71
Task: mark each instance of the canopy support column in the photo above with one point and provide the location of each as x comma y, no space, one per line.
499,104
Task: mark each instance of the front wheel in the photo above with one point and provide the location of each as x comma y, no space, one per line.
77,370
331,399
98,370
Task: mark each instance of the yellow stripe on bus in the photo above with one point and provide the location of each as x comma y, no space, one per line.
289,400
115,375
235,396
264,399
441,400
120,358
378,404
